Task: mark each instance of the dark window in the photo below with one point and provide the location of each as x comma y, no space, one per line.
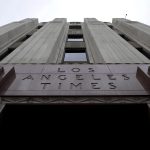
15,45
39,26
110,26
72,36
24,39
75,27
75,50
75,22
125,37
31,33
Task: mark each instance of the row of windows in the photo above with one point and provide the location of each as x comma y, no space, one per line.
75,54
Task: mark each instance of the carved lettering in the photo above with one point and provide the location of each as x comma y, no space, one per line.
72,85
62,77
111,77
76,70
59,86
45,85
47,77
95,86
91,70
126,77
79,77
59,70
112,85
95,78
29,77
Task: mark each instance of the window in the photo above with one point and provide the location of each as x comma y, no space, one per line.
75,27
75,57
75,49
125,37
75,22
75,36
24,38
39,26
75,40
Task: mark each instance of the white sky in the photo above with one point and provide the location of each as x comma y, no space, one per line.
74,10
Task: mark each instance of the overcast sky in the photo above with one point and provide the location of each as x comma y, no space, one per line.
74,10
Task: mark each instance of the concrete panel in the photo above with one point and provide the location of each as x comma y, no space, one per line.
42,47
108,47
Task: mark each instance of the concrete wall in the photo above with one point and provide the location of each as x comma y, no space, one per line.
42,47
135,30
13,31
108,47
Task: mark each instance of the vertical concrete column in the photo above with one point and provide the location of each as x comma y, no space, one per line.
43,47
10,33
92,47
108,47
58,44
137,31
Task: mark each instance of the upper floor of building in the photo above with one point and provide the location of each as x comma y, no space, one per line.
61,42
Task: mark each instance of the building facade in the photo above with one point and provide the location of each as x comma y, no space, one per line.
75,62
